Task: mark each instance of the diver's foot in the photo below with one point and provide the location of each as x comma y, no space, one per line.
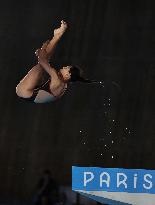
61,30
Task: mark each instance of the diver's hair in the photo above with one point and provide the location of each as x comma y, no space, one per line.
76,75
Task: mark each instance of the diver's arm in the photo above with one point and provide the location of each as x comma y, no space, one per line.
43,61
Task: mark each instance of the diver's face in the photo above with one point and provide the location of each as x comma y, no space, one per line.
65,71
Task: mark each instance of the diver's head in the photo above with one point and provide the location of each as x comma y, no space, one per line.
74,74
71,73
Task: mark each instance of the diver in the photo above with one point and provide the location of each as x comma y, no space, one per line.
32,88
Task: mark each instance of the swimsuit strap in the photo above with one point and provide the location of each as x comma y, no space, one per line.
45,84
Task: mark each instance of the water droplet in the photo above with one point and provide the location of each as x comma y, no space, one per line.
112,157
112,141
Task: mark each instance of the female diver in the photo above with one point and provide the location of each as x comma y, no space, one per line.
30,87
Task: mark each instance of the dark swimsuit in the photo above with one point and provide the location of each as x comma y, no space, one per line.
45,86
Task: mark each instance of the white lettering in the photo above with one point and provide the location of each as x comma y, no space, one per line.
135,181
89,179
145,179
122,181
107,180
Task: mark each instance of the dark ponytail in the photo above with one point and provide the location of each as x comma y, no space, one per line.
84,80
76,76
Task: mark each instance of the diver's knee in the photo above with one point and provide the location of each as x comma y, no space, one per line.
18,89
22,91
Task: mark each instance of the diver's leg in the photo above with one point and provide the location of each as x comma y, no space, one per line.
51,46
30,81
58,33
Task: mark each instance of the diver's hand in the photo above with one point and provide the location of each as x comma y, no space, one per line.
61,30
41,53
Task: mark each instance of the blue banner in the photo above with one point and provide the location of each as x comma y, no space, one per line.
113,180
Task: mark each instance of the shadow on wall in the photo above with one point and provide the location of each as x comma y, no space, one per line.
48,192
